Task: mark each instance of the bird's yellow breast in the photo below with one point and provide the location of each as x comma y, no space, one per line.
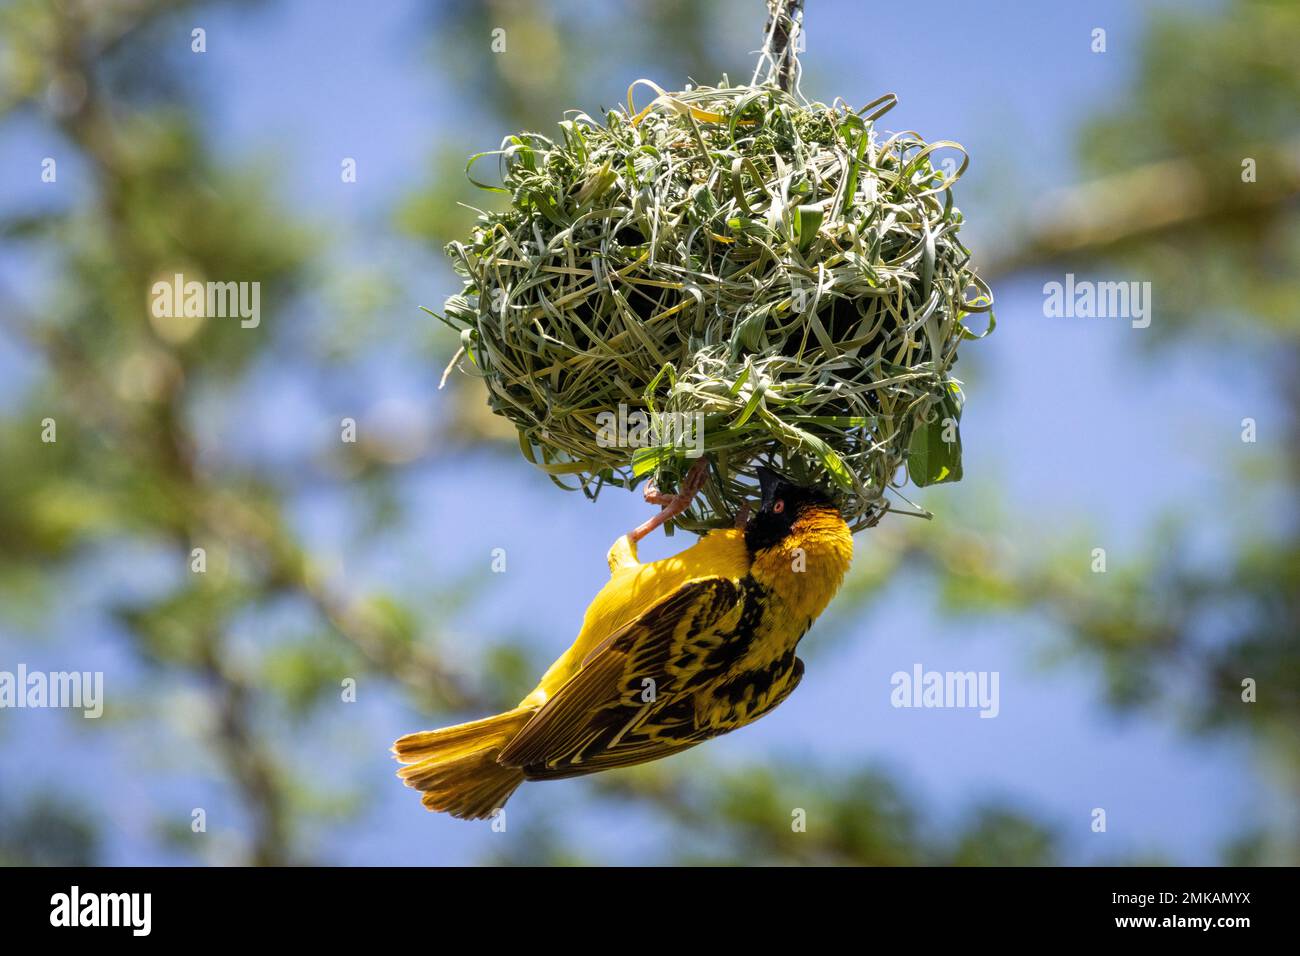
633,587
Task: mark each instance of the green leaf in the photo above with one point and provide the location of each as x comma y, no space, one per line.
649,458
930,459
470,176
808,220
832,462
598,182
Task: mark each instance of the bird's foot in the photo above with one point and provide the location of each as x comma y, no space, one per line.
672,505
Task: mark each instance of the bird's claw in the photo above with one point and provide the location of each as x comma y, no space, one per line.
672,504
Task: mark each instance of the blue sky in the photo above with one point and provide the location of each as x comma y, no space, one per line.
1116,446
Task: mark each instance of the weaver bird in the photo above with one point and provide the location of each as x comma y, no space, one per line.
670,654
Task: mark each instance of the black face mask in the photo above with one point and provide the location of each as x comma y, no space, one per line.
781,507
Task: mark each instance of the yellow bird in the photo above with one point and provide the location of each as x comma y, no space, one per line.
670,654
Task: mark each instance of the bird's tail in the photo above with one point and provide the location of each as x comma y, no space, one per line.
456,767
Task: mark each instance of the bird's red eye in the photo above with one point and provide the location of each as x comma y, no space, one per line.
778,506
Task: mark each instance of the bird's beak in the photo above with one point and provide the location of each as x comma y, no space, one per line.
742,517
767,482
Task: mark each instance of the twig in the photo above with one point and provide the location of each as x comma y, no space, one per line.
780,51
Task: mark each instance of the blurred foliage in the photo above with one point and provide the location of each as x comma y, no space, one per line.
236,662
128,392
47,831
1172,204
1216,88
860,817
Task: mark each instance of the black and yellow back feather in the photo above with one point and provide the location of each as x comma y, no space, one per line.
632,700
657,686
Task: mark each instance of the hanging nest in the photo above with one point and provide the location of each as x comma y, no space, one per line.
776,268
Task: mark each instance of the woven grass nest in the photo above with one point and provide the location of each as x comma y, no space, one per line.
776,267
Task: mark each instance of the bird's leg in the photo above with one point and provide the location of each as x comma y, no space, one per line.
653,496
672,505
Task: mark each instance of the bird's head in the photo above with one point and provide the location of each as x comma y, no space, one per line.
783,505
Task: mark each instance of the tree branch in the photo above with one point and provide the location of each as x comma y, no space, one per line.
1154,199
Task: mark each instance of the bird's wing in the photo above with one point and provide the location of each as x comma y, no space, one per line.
632,699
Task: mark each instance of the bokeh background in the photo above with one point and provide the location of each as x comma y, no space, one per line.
373,560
